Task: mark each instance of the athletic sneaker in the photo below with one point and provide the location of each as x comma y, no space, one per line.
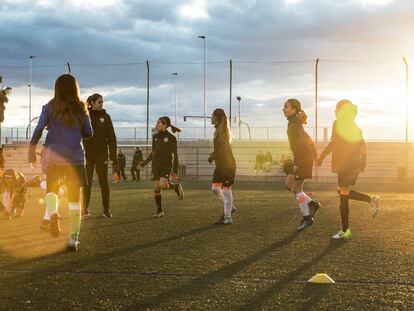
233,209
45,225
85,212
107,213
342,235
304,224
72,245
375,205
227,220
54,225
159,214
313,207
178,188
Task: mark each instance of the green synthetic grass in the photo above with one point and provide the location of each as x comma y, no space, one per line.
186,262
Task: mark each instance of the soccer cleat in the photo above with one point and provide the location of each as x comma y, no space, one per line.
342,235
54,225
178,188
107,213
233,209
159,214
304,224
227,220
313,207
72,245
85,212
375,205
45,225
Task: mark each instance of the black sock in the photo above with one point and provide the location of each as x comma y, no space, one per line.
307,217
359,196
344,209
157,197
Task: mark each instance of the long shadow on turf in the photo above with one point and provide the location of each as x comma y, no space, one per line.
196,285
314,293
66,267
257,300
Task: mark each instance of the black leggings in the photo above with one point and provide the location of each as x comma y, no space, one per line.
101,167
74,177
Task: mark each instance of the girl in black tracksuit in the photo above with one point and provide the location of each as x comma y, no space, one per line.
96,153
164,159
304,155
348,161
223,177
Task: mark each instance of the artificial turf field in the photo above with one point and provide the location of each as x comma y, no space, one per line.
186,262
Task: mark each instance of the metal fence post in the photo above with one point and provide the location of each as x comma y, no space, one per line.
197,163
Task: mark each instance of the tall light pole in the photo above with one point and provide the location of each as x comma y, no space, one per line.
175,75
30,90
204,74
240,121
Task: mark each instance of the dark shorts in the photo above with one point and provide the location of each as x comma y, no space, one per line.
224,176
304,170
346,179
74,177
160,172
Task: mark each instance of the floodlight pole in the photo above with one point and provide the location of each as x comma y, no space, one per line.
406,116
231,89
316,111
204,87
31,57
148,100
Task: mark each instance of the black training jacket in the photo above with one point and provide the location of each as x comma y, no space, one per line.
223,154
300,143
164,151
121,160
138,157
96,147
347,146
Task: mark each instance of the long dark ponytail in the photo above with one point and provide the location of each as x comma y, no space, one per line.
295,104
167,121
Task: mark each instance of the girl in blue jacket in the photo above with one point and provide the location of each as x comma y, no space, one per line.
68,122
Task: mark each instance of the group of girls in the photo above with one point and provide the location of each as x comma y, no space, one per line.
348,161
69,123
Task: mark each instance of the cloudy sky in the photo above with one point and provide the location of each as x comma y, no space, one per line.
273,45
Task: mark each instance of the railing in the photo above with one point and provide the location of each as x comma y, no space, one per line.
138,134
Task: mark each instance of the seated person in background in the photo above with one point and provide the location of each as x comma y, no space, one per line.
260,157
267,161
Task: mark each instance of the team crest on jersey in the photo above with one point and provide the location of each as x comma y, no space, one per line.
165,140
102,119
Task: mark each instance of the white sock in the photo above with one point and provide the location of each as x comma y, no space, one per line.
46,216
303,201
218,192
6,199
228,201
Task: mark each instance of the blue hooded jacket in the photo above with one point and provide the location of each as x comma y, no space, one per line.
63,143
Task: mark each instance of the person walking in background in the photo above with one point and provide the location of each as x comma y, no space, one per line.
348,161
121,164
96,153
225,172
136,161
68,121
304,156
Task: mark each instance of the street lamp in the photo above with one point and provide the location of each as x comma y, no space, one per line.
31,57
204,74
240,121
175,74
